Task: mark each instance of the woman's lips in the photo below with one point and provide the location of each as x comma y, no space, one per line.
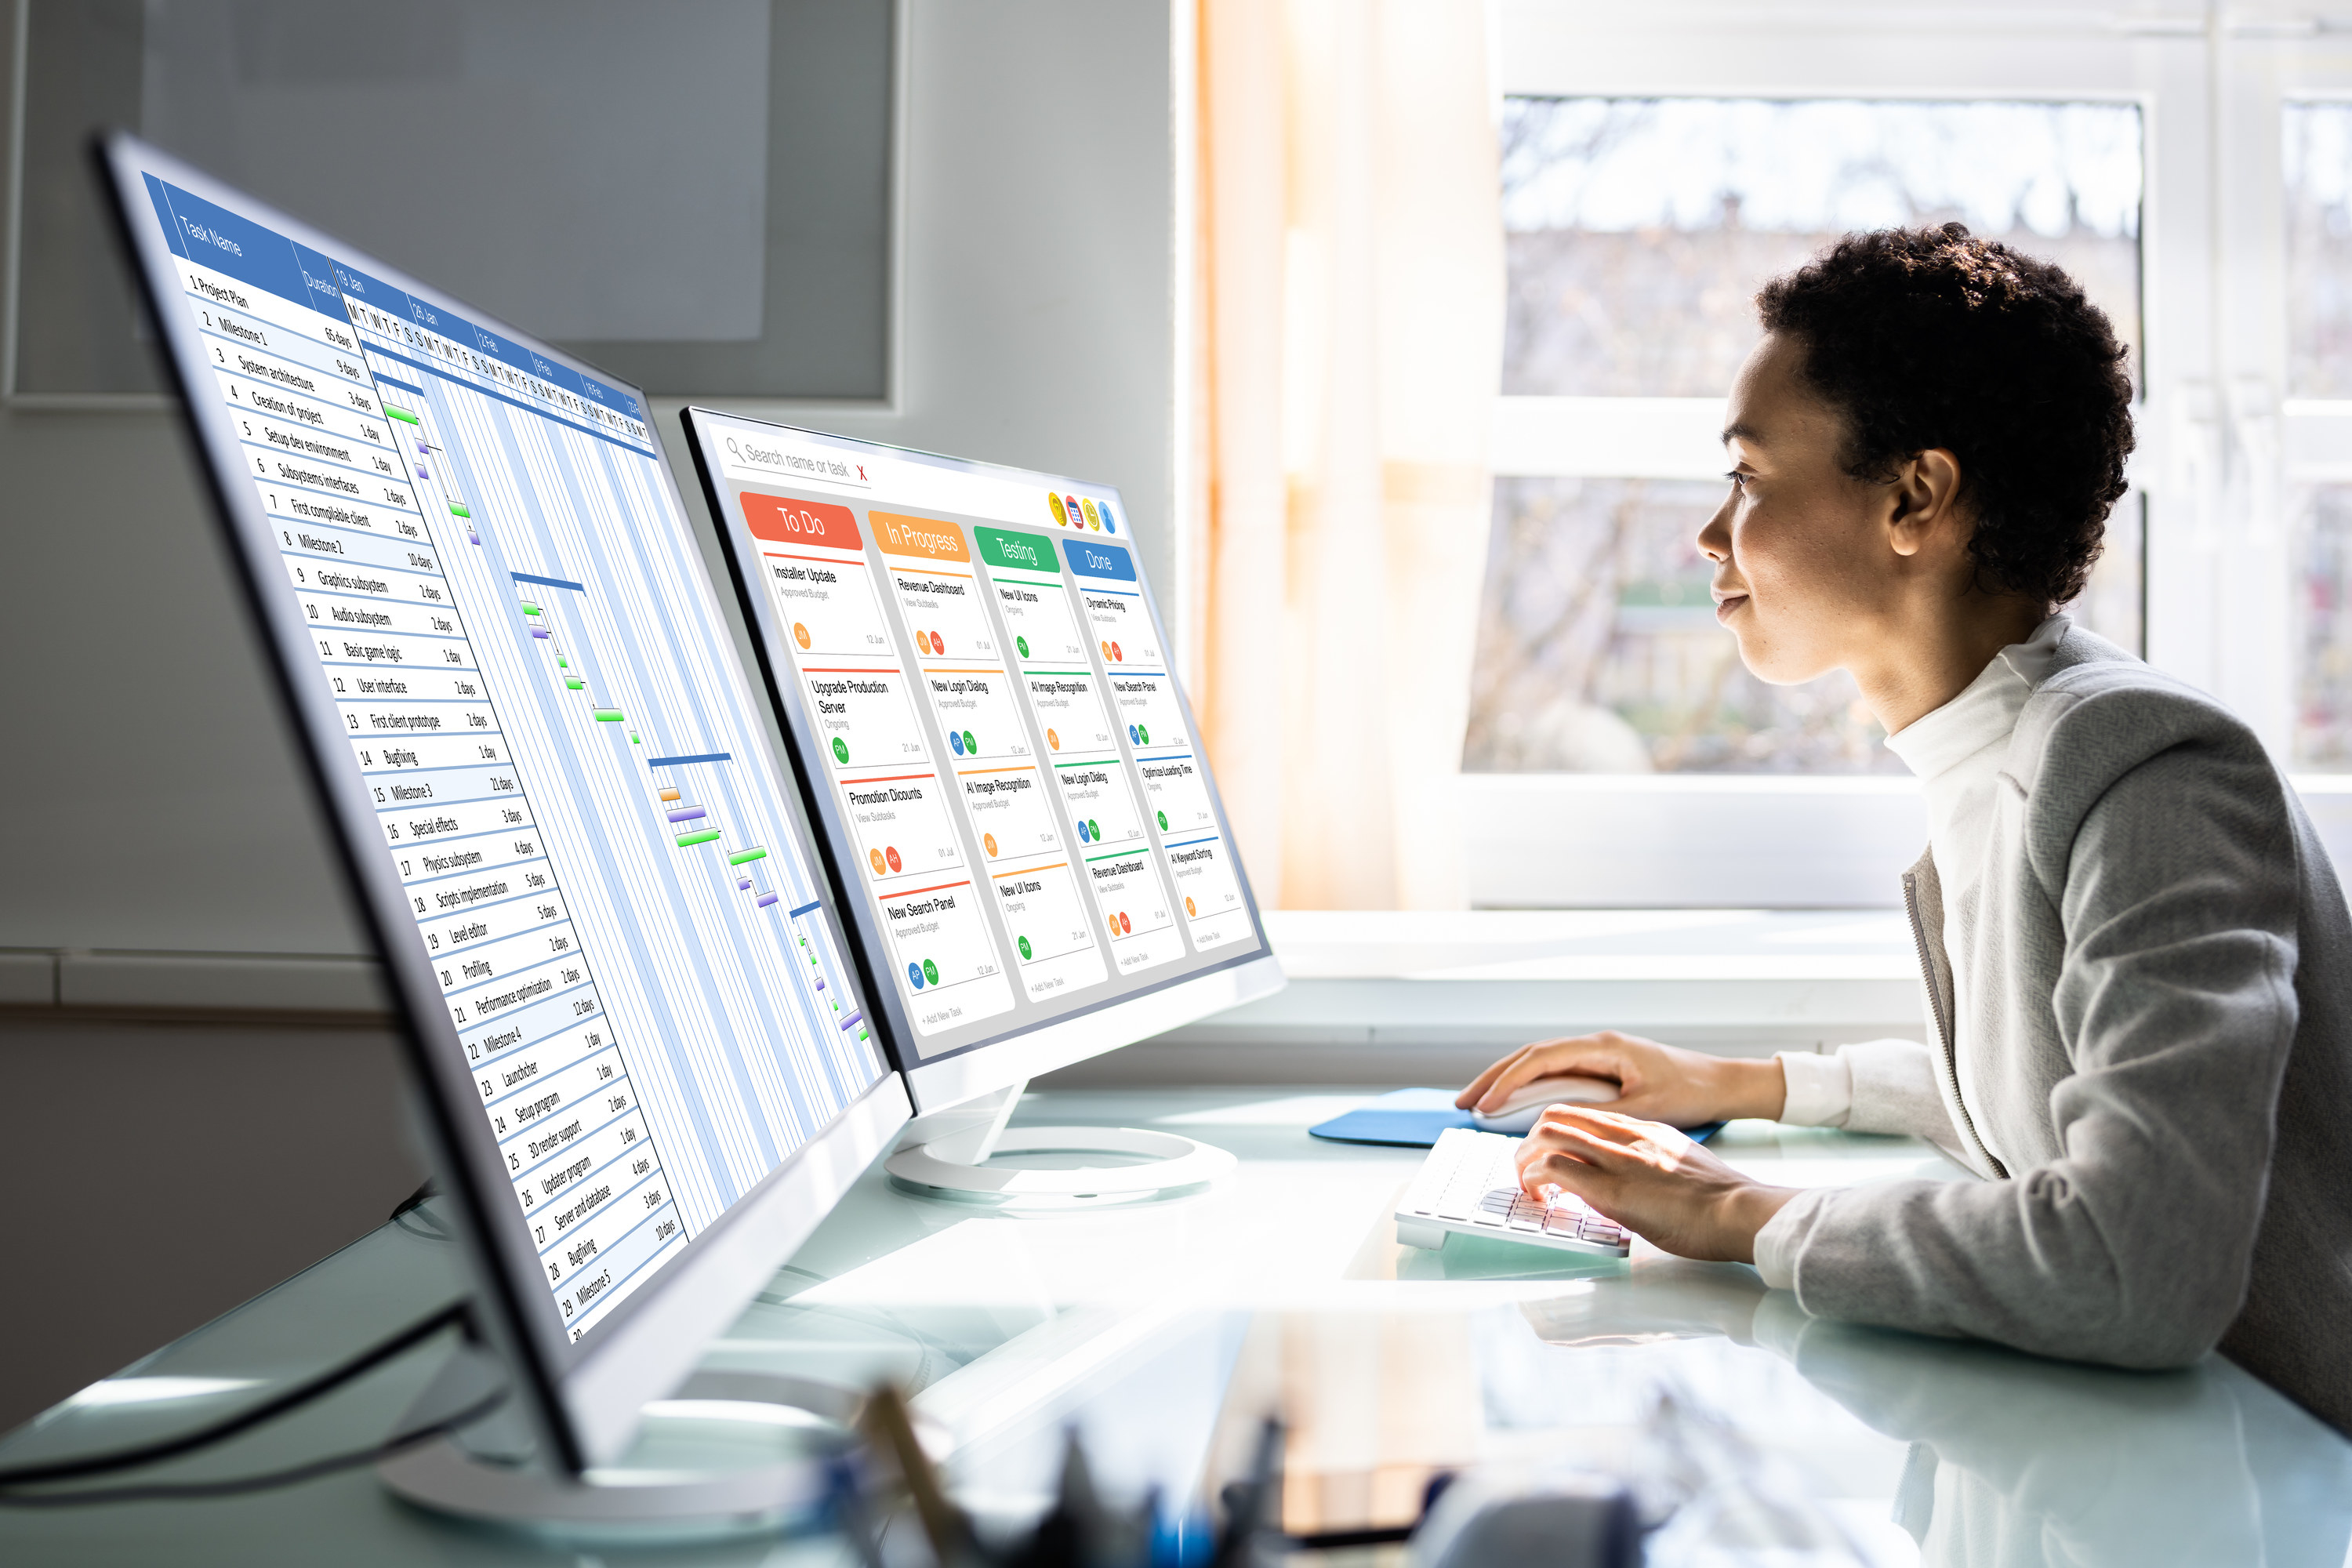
1724,609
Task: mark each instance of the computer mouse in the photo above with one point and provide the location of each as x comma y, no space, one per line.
1519,1113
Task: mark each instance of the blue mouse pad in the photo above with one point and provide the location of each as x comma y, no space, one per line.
1413,1118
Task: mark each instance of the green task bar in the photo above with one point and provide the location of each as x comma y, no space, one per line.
401,414
459,509
572,684
608,715
529,608
742,856
704,836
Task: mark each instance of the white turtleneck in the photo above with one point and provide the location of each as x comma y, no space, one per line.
1957,751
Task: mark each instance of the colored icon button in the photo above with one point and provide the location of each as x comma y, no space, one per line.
840,750
1082,831
1164,821
915,976
1023,644
970,744
891,854
1022,943
1093,829
800,634
880,868
931,971
955,743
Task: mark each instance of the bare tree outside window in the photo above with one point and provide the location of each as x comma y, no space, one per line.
1637,233
2317,165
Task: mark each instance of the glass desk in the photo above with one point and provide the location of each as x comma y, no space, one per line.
1164,1331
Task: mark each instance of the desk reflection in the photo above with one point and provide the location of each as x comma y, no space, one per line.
2017,1461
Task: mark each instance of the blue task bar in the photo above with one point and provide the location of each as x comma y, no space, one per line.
546,582
699,757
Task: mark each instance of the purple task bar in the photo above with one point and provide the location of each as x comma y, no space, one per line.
819,982
744,884
687,815
536,632
852,1019
767,899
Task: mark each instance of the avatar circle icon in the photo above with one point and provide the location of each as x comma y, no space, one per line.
1093,831
1023,644
1164,821
1111,523
931,971
840,750
971,745
955,743
1053,740
1055,501
1082,831
1106,648
1114,925
1117,653
1188,906
1022,943
1145,731
1124,925
1094,519
876,855
891,854
939,645
800,634
988,842
915,976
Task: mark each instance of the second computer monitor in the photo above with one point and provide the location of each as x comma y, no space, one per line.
975,685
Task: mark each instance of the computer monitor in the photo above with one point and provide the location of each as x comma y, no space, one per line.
629,1001
974,683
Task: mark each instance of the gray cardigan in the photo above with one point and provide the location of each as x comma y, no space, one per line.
2165,1023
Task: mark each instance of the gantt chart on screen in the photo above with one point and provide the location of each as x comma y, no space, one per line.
582,807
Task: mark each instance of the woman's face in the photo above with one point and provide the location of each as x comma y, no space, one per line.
1806,575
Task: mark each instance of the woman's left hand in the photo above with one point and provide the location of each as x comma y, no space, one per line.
1651,1179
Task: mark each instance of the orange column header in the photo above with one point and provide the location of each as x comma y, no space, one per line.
781,522
927,537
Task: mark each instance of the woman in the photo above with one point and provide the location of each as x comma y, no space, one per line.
2137,959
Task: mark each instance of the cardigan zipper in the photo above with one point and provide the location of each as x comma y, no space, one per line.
1943,1030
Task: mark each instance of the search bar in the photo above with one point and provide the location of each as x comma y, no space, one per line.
764,457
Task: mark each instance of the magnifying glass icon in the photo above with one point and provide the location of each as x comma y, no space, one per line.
734,448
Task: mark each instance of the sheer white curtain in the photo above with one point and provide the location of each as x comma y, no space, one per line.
1352,302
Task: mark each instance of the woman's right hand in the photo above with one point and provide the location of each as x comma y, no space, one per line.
1656,1082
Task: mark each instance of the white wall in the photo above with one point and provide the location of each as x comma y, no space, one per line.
151,799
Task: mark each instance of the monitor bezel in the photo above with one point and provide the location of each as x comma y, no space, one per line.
585,1399
983,1066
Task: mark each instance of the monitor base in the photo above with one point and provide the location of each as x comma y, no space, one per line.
1170,1161
780,1483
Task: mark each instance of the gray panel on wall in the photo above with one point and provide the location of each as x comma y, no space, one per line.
695,195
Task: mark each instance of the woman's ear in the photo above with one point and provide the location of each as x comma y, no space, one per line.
1925,503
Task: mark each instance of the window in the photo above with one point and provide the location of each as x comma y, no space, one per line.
2192,170
1638,231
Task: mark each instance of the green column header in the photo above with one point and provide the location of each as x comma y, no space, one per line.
1016,551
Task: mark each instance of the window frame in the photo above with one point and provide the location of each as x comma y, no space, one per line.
2219,444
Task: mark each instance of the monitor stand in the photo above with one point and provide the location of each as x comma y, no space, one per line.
948,1152
766,1454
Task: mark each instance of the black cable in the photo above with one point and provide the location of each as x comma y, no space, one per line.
238,1486
459,1316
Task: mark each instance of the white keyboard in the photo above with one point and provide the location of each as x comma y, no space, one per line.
1470,1184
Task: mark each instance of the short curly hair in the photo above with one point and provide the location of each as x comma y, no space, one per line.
1932,337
